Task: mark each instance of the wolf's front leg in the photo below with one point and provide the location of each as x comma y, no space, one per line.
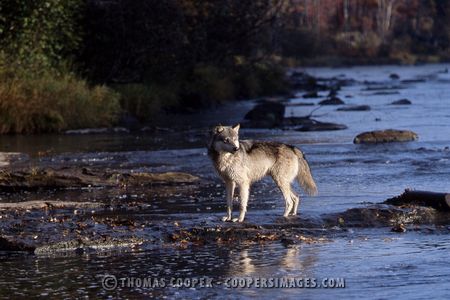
230,186
244,190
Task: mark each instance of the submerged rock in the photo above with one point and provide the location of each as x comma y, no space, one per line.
355,108
402,102
266,115
332,101
385,136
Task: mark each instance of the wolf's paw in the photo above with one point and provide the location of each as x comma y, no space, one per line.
239,220
226,219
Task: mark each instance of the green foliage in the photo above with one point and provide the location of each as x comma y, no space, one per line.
207,85
52,102
145,101
259,79
157,55
38,34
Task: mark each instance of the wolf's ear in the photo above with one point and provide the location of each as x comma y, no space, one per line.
236,127
218,129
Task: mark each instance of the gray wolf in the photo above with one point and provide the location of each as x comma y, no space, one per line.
242,162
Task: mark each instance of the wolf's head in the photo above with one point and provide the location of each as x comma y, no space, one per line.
224,139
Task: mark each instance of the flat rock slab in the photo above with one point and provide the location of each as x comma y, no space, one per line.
315,125
355,108
385,136
34,178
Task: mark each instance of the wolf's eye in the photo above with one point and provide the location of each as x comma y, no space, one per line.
226,140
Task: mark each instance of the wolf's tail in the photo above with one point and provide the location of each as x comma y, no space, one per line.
304,175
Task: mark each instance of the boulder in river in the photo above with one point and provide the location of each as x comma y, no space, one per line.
355,108
385,136
402,102
332,101
266,115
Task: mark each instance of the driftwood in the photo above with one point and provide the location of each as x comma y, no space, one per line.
439,201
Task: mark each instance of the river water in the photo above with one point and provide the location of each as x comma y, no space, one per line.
374,263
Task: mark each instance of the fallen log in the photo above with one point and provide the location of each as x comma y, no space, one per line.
438,201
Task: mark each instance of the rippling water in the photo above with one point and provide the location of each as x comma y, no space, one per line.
375,263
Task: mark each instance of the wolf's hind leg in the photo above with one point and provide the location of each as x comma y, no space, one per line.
244,190
230,186
296,201
288,201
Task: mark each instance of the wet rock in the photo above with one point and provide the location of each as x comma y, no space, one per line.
394,76
266,115
385,136
381,215
47,204
332,101
312,94
402,102
438,201
166,178
314,125
7,158
34,178
84,245
355,108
